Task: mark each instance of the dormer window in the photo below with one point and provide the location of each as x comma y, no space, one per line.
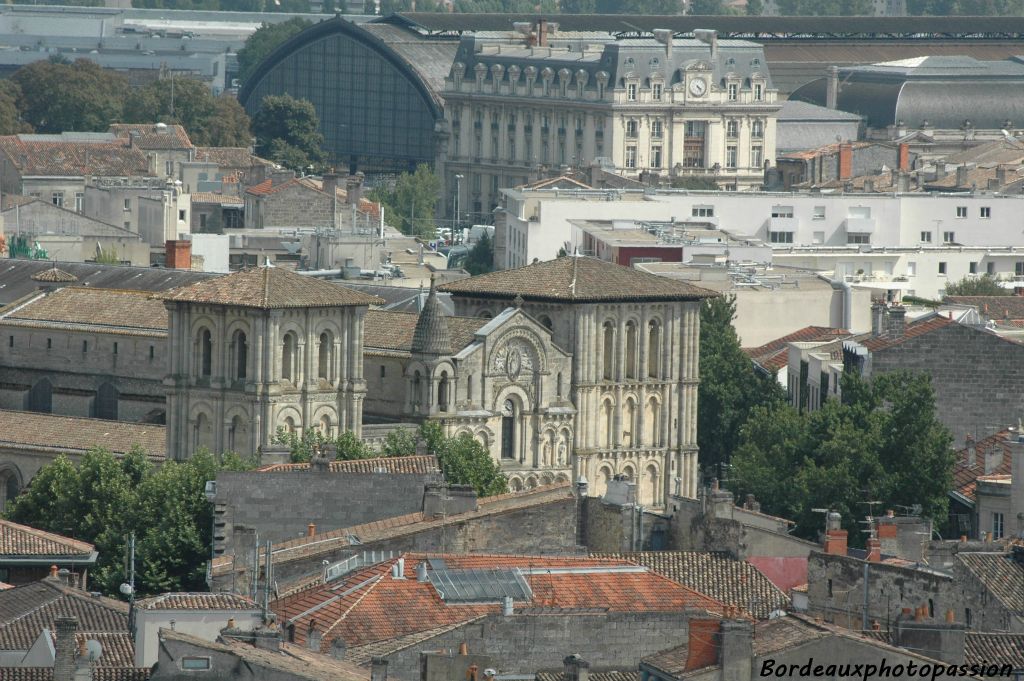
656,90
734,91
496,72
458,70
547,75
564,75
758,92
513,78
481,74
581,82
631,92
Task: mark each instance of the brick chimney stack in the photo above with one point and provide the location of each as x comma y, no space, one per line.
737,649
835,536
178,254
65,650
874,550
845,161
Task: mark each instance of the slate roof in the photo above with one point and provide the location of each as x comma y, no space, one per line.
989,648
76,435
73,159
411,465
804,112
966,474
22,541
28,609
733,582
576,279
218,199
269,288
106,310
1000,574
394,331
197,601
774,355
368,605
153,137
993,307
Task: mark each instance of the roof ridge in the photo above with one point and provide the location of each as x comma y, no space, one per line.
44,534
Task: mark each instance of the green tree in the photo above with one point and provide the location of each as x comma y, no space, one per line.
301,444
287,131
411,202
81,96
707,7
209,120
755,8
399,442
481,257
10,116
107,256
464,461
265,40
985,285
730,388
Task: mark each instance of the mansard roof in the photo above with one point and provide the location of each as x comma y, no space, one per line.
271,288
576,279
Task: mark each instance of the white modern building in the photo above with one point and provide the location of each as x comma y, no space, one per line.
914,243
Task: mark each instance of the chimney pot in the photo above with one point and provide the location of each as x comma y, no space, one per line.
379,669
472,672
310,529
53,571
963,537
463,648
950,618
231,623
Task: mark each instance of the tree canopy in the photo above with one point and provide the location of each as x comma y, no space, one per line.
287,131
410,203
210,121
265,40
481,257
54,97
985,285
881,442
104,499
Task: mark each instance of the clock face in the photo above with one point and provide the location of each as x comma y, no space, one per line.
698,86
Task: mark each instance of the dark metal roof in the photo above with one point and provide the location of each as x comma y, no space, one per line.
762,28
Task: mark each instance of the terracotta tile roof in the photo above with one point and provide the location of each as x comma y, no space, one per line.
985,648
733,582
576,279
775,354
413,465
110,310
918,327
561,182
825,150
369,605
993,307
268,187
260,189
1000,574
54,275
24,541
154,137
98,674
118,647
74,159
26,610
75,435
991,456
229,157
219,199
197,601
364,654
271,288
592,676
393,331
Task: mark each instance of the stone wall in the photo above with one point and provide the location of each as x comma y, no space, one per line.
613,528
525,642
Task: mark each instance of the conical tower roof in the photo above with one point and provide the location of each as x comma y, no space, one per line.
431,336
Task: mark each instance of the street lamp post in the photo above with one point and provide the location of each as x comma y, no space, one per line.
458,193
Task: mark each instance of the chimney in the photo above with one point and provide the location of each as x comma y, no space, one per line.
338,648
992,184
379,669
737,649
832,89
879,319
869,186
874,550
463,648
703,644
897,323
330,183
1001,174
903,157
473,673
708,37
939,640
178,254
845,161
665,37
311,529
507,606
542,32
903,182
961,175
421,571
940,170
835,536
65,650
576,668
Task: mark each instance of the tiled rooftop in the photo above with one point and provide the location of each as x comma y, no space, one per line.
733,582
918,327
1007,308
576,279
393,331
74,159
151,136
23,541
990,456
229,157
775,354
135,312
592,676
219,199
271,288
75,435
197,601
986,648
413,465
1000,574
26,610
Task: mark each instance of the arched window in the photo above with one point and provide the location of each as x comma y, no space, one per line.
105,406
40,397
290,425
204,432
469,388
442,392
649,491
631,350
205,353
326,354
604,476
608,350
325,425
241,350
509,413
558,384
10,487
288,357
629,422
607,423
653,349
237,435
652,423
484,314
546,321
417,386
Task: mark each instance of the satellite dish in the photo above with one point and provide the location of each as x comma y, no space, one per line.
94,648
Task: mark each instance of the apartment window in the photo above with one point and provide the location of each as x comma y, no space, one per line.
858,238
202,221
85,346
168,168
79,201
57,198
782,211
733,92
730,156
656,92
195,663
780,237
758,92
115,348
1018,268
973,267
986,212
181,215
656,157
818,213
631,92
990,268
49,343
657,129
152,352
757,129
128,225
997,525
732,128
756,157
948,237
632,128
383,371
818,237
926,237
127,204
961,211
942,268
631,156
911,269
703,211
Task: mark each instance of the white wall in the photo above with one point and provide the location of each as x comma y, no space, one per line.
205,624
215,249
